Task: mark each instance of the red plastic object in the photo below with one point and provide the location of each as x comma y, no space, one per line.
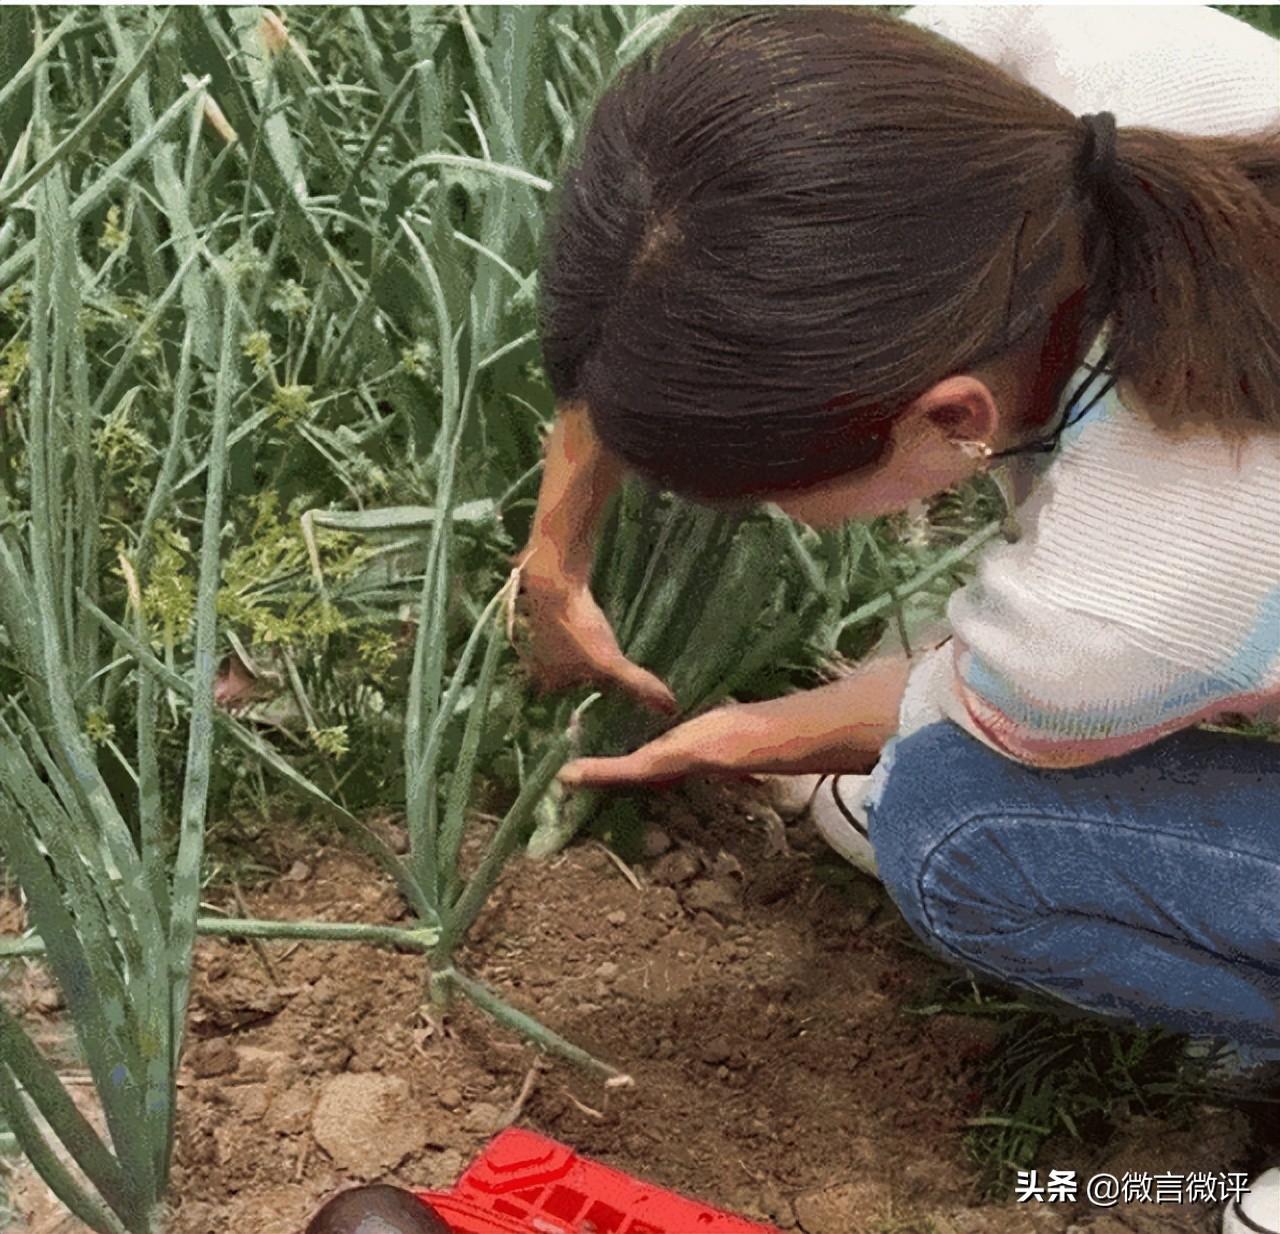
526,1184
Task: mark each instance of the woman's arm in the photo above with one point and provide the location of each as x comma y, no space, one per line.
578,479
569,638
839,727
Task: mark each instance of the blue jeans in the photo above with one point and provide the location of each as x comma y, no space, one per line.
1146,887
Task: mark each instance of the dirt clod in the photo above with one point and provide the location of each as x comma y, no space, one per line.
773,1206
367,1123
238,1003
716,1051
391,832
776,1072
654,842
718,897
483,1117
843,1207
677,867
49,1000
214,1057
253,1062
440,1170
289,1113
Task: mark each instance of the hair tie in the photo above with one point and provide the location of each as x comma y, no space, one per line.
1098,159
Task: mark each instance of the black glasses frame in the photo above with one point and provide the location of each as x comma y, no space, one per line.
1050,441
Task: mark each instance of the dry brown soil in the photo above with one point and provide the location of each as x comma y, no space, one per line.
762,1012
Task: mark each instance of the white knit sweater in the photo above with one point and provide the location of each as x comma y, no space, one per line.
1144,594
1186,68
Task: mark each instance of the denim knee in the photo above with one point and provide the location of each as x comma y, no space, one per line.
953,832
1123,888
914,810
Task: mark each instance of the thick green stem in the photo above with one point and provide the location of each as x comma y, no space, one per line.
421,939
438,987
502,1011
948,560
457,918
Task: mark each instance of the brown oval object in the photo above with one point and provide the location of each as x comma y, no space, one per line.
378,1209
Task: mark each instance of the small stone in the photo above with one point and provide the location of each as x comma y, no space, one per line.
617,918
654,842
483,1117
676,868
607,971
299,872
450,1098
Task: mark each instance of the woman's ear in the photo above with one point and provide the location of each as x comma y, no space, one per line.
962,408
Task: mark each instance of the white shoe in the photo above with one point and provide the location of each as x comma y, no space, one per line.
839,814
1259,1211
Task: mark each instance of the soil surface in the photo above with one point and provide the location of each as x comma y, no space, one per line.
763,1013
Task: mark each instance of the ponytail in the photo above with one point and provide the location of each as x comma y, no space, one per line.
1187,268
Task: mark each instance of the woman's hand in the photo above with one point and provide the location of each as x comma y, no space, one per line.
840,727
568,639
710,744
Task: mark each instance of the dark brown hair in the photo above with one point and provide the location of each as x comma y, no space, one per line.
781,226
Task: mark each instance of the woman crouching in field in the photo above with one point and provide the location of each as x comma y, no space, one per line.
839,261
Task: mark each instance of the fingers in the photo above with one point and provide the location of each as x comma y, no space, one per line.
610,666
645,687
576,645
637,768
